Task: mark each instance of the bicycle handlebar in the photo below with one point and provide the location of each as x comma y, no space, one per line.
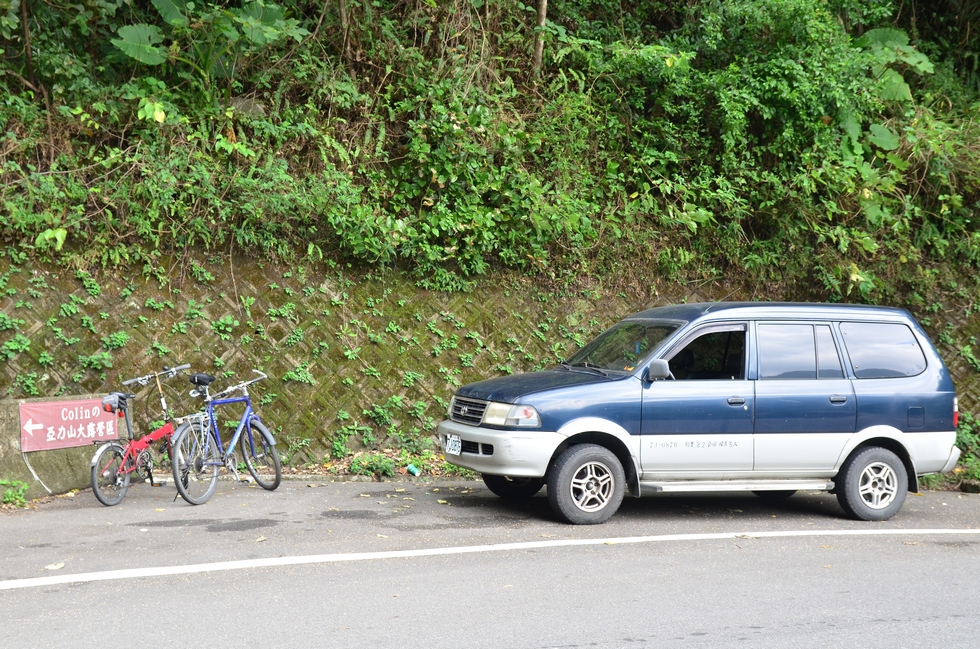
167,372
240,386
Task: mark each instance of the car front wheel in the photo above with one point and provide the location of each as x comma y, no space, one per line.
586,484
872,484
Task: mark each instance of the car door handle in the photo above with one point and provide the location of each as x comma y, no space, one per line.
838,399
735,401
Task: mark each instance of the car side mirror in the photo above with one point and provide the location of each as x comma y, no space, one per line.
658,369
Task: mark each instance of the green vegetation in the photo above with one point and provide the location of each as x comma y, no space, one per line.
968,440
15,492
375,464
780,139
756,148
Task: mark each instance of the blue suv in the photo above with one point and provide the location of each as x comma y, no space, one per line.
764,397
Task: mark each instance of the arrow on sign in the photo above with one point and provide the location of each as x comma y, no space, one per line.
30,427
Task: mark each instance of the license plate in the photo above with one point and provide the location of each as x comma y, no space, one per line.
454,445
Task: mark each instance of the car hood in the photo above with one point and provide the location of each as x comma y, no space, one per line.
510,389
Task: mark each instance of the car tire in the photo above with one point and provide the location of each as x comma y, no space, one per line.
586,484
513,488
872,484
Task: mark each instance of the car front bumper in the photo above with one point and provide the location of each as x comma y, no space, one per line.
517,453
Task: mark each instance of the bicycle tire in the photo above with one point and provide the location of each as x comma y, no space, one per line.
109,484
261,456
194,463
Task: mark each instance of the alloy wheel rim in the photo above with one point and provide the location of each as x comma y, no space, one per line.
878,485
592,486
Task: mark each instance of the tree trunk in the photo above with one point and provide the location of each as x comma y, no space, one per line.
345,28
28,58
539,36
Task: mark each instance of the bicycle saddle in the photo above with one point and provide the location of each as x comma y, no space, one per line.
202,379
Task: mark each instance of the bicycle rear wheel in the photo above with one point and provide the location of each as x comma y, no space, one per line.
109,483
261,456
195,463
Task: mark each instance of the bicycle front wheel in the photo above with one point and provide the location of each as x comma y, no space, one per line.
195,463
261,456
109,481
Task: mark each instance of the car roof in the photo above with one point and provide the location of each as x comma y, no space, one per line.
707,311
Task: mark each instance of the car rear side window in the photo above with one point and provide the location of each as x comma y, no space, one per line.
880,350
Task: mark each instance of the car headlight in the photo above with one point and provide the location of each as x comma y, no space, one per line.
508,414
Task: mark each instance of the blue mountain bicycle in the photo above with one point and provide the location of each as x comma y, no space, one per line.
198,453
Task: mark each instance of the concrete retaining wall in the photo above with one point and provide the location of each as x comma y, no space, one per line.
61,470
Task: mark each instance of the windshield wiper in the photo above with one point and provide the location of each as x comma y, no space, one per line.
586,365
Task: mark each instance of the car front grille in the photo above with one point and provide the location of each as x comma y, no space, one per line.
476,448
467,411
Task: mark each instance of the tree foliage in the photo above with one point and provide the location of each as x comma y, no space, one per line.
778,138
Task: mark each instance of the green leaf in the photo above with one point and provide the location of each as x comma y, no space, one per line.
57,235
892,87
171,12
897,162
917,60
851,126
140,42
891,46
261,24
884,38
883,138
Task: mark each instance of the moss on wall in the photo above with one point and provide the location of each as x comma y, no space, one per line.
356,360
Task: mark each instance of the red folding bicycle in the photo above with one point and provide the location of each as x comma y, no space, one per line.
114,462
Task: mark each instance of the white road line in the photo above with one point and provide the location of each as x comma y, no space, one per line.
163,571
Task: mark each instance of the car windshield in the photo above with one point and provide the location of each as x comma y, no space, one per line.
623,346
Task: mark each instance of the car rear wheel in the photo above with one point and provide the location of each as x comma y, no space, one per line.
872,484
513,488
586,484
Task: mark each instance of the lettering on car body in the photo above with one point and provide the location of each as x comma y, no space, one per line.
721,444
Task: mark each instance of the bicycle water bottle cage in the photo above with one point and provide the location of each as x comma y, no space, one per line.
202,379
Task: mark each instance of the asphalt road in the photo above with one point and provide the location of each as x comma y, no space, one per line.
447,564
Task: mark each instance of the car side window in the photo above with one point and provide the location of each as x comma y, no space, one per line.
787,351
881,350
715,355
828,360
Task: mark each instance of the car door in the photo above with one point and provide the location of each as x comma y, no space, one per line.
700,422
805,405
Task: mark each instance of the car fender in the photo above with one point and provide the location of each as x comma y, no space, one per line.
874,432
592,425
